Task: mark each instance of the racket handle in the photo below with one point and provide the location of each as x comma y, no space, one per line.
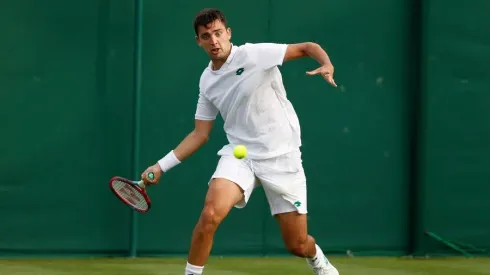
142,184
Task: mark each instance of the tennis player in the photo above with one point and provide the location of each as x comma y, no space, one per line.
243,84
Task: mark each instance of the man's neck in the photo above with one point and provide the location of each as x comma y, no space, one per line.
217,64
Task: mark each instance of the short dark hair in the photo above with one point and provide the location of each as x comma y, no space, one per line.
208,15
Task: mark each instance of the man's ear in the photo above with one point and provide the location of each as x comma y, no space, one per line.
198,41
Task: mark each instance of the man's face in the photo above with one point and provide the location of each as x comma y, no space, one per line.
214,39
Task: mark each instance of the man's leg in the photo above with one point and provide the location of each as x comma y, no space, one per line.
295,235
284,184
221,197
231,185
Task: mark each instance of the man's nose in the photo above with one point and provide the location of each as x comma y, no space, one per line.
214,40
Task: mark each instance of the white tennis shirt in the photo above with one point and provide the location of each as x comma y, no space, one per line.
249,94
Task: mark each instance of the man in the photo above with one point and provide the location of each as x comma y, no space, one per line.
244,84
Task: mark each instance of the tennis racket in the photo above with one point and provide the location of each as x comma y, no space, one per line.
132,193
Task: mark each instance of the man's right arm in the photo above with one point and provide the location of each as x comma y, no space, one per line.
205,115
194,140
189,145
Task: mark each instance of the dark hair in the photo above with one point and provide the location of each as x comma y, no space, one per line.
206,16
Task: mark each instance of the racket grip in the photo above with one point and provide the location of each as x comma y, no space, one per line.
142,184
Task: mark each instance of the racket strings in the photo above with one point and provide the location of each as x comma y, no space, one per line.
130,194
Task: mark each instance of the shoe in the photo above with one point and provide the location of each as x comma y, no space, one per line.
326,268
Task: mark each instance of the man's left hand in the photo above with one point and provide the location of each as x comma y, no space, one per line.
326,71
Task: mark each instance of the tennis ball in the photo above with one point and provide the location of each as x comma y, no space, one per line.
240,151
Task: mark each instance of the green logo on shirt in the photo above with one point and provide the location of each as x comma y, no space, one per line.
297,204
240,71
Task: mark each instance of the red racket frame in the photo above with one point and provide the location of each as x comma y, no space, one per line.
133,185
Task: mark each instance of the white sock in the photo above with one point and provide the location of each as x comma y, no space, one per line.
193,269
318,259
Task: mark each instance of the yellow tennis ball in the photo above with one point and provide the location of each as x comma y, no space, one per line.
240,151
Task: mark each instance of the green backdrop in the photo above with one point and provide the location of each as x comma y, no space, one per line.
401,146
455,126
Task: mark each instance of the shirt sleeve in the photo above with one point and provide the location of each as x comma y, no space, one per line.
205,109
267,55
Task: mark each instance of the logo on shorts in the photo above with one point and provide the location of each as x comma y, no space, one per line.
297,203
240,71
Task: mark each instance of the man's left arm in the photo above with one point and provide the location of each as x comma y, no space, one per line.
315,51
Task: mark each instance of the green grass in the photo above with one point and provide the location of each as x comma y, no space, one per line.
245,266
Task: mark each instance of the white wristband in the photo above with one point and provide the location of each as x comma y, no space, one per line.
168,162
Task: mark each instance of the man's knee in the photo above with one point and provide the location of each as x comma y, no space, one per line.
222,195
210,219
298,246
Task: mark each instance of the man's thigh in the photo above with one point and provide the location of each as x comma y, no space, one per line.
221,196
239,172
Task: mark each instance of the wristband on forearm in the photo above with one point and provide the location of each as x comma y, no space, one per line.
168,162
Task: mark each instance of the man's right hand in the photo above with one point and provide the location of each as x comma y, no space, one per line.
157,172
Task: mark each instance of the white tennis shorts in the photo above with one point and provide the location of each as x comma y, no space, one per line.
282,178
